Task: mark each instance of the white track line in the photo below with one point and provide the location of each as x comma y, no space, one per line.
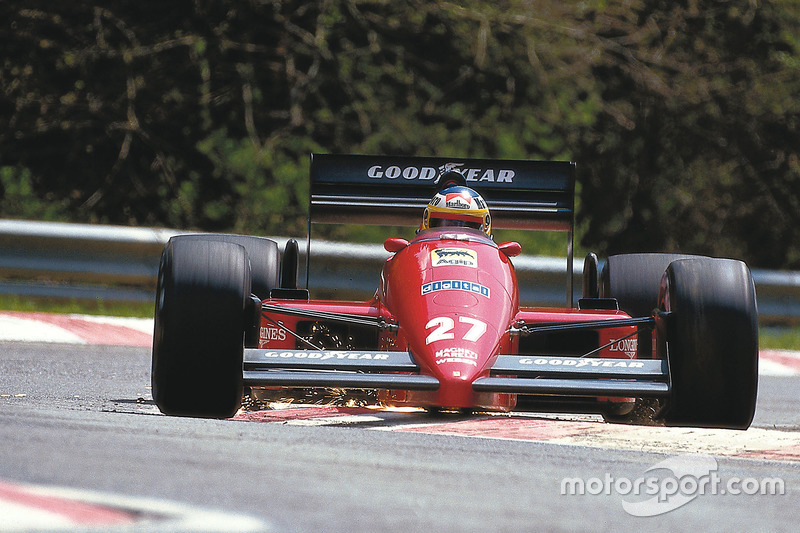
147,514
14,328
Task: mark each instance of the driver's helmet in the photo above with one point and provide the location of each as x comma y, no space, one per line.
457,206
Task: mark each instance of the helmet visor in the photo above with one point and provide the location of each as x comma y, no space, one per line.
449,222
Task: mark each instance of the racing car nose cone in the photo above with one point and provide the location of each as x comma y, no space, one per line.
455,299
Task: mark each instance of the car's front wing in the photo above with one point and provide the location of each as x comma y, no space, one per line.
571,376
577,376
335,369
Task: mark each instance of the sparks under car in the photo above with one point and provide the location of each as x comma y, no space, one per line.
445,328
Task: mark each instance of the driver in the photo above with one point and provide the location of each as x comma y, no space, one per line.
459,206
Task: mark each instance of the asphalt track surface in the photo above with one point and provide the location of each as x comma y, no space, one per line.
81,438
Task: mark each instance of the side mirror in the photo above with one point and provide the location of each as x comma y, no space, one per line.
511,249
395,244
590,280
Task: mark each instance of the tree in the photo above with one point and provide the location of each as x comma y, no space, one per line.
682,116
694,151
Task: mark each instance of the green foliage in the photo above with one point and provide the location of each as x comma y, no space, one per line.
683,116
19,199
696,149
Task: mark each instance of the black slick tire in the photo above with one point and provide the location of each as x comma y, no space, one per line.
633,279
263,253
711,343
198,342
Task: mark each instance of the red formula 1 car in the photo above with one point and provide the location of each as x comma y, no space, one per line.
676,335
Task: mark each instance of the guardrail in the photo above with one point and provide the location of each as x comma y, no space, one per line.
115,263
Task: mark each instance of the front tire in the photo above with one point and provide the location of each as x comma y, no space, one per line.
711,343
198,342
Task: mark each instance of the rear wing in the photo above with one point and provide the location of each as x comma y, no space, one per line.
394,190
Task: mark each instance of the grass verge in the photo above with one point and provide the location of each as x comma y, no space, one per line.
779,337
82,307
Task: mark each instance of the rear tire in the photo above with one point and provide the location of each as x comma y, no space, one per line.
711,343
633,279
202,294
263,253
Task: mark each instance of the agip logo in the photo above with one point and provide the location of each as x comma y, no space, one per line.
454,257
455,285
